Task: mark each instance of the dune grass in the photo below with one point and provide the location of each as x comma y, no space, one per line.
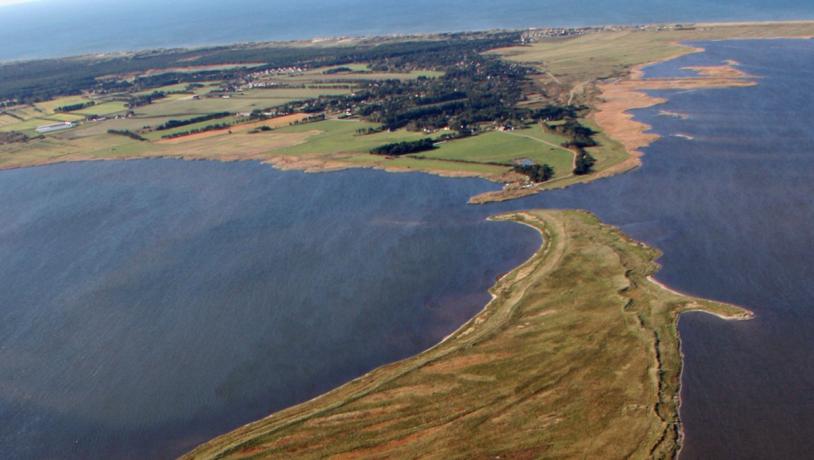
612,54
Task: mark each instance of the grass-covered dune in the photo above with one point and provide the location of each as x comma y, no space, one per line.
576,355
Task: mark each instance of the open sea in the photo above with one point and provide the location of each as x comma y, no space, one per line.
49,28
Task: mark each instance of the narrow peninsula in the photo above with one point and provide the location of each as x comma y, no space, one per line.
576,355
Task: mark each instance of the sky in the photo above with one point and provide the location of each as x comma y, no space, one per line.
14,2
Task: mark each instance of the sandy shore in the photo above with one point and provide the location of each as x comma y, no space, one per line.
619,97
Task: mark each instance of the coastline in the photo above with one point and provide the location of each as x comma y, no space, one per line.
619,97
623,96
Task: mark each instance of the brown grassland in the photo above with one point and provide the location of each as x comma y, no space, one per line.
577,355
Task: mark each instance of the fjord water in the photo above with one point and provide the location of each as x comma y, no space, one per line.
49,28
146,306
728,195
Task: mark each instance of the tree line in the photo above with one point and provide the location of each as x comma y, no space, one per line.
404,148
171,124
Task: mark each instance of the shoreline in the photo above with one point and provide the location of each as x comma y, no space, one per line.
321,40
619,97
637,135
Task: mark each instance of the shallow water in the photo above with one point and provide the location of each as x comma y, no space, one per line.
146,306
733,212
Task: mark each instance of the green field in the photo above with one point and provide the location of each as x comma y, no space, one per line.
339,136
185,104
29,126
608,54
280,96
577,356
156,135
533,143
104,108
52,105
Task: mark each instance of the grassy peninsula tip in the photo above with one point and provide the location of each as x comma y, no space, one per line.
576,355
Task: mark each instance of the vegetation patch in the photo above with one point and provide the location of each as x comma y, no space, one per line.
404,147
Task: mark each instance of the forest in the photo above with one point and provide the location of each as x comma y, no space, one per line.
39,80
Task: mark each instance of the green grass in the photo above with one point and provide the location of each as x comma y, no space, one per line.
105,108
576,357
339,136
279,96
180,104
441,166
166,89
354,67
52,105
156,135
608,54
594,56
609,152
533,143
28,126
189,106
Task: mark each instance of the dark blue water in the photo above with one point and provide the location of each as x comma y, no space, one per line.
146,306
733,211
47,28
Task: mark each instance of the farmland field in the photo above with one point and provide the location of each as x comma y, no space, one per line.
504,147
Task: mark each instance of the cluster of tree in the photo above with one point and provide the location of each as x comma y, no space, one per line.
337,70
309,119
204,129
584,162
144,99
580,136
74,107
126,133
536,172
369,130
474,89
12,137
403,148
171,124
558,112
